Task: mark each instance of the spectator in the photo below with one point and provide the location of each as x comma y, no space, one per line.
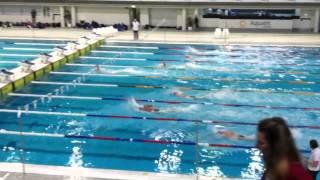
135,28
67,17
314,161
33,16
281,157
196,22
226,12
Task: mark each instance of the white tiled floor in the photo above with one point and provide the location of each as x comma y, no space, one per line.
41,172
172,36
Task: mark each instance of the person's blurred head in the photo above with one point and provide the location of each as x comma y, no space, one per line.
313,144
177,93
275,141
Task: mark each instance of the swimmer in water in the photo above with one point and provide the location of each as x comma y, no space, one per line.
188,56
232,135
181,94
98,69
163,64
148,108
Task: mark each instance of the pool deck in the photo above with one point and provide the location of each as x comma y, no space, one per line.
161,35
13,171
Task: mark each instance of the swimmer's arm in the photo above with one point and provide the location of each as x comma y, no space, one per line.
193,97
244,137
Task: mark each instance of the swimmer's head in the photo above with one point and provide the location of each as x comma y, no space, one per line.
163,64
220,132
177,93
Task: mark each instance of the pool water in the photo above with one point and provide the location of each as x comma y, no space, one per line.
236,84
13,51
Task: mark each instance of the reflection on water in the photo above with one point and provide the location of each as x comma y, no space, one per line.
169,161
76,157
255,167
170,158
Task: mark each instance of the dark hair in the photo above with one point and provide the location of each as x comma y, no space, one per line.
280,143
313,144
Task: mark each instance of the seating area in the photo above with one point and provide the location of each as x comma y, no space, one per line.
82,24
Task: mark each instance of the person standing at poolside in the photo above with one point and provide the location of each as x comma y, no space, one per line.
314,161
33,17
135,29
281,157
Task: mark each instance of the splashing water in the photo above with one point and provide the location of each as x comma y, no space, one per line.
180,109
221,95
133,103
131,71
169,161
76,157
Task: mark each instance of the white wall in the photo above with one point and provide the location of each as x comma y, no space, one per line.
246,24
144,16
157,15
302,23
190,13
209,22
179,18
23,14
260,24
107,16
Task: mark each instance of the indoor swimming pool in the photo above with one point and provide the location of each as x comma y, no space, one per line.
90,112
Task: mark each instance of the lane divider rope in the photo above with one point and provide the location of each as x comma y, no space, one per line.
39,44
118,139
143,118
121,52
179,87
25,49
298,82
170,102
130,47
197,61
184,69
19,55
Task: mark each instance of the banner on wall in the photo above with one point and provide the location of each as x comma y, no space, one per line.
263,24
